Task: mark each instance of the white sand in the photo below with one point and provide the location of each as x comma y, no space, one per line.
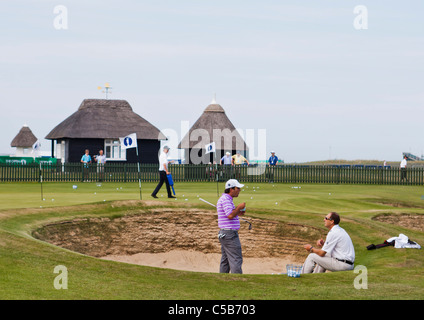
201,262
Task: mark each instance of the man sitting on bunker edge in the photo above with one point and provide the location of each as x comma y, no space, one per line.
336,254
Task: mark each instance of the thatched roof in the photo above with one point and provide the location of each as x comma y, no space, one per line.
24,139
105,119
215,125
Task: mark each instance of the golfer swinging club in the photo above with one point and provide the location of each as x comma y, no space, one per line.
229,224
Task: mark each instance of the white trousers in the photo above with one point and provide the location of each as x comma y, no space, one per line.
316,264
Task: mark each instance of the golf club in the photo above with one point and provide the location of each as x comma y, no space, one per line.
250,224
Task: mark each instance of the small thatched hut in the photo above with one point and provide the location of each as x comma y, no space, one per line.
212,126
23,141
98,124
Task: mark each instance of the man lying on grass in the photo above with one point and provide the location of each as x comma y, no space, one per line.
336,254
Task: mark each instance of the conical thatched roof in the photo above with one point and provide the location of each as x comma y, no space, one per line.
219,129
24,139
105,119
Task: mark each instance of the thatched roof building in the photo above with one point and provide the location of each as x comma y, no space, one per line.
101,118
212,126
24,139
98,124
23,142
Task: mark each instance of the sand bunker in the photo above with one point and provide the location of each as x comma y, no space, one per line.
407,220
202,262
182,239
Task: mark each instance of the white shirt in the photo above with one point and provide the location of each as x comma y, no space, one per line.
339,245
163,160
101,159
403,163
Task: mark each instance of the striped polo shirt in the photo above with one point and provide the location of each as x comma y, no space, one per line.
224,207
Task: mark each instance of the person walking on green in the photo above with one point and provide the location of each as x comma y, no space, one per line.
163,172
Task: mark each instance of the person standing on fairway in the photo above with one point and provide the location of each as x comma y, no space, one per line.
229,224
337,252
163,172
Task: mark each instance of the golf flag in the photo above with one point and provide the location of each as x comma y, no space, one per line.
129,141
36,146
210,147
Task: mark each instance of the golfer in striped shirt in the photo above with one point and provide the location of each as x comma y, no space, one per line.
229,224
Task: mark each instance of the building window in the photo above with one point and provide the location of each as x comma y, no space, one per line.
113,150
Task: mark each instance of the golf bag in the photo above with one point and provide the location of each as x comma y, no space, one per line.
381,245
171,182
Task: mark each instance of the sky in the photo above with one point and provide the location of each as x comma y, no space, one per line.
323,80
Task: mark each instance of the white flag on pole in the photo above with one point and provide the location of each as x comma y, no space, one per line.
36,146
130,141
210,147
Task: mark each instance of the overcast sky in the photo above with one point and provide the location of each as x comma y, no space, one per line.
321,87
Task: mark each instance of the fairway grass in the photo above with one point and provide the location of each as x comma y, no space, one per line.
27,264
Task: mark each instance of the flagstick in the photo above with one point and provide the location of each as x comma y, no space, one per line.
211,148
138,165
41,180
126,143
216,174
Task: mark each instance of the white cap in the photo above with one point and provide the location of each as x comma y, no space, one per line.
272,151
227,153
233,183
